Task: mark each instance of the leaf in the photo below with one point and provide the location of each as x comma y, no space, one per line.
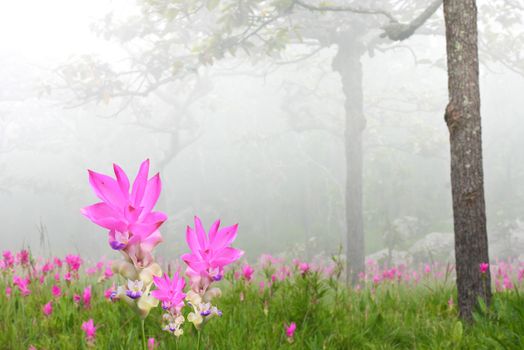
457,332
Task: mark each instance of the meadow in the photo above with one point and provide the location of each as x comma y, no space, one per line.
401,307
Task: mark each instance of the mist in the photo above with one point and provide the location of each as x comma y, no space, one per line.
254,138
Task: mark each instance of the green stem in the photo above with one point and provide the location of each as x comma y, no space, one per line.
198,341
143,335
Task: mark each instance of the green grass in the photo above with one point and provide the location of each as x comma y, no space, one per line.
328,316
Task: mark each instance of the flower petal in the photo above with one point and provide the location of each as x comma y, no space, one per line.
140,183
151,194
122,180
104,215
107,189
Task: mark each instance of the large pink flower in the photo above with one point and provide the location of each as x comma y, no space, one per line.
210,254
170,291
128,216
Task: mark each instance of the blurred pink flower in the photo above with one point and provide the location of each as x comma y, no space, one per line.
128,215
23,257
151,344
57,292
86,297
90,330
22,284
109,291
9,260
57,262
247,272
290,330
303,267
48,309
210,254
73,262
108,273
484,267
76,298
8,291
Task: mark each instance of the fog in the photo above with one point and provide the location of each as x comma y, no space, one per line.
251,139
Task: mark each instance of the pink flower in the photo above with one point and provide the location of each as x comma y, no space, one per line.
22,284
290,330
57,262
210,254
31,347
109,291
8,291
247,272
507,283
9,260
90,330
48,309
86,297
170,291
67,277
128,216
57,277
108,273
304,268
73,262
77,298
151,344
23,257
484,267
57,292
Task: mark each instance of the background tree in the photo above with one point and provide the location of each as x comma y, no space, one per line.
467,176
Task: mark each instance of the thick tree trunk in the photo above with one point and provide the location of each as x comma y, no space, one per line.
347,64
467,179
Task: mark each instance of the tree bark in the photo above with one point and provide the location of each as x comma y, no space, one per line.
347,64
467,180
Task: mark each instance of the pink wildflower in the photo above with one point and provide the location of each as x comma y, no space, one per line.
304,268
73,262
90,330
48,309
57,292
9,260
170,291
57,262
290,331
77,298
484,267
247,272
209,254
151,344
128,215
86,297
23,257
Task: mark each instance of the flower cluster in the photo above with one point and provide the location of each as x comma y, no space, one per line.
133,230
205,265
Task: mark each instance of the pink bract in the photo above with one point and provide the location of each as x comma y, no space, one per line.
128,216
170,291
209,254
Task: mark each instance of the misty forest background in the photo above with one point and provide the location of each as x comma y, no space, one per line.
251,140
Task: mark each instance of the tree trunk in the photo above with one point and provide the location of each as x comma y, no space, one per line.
347,64
467,180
